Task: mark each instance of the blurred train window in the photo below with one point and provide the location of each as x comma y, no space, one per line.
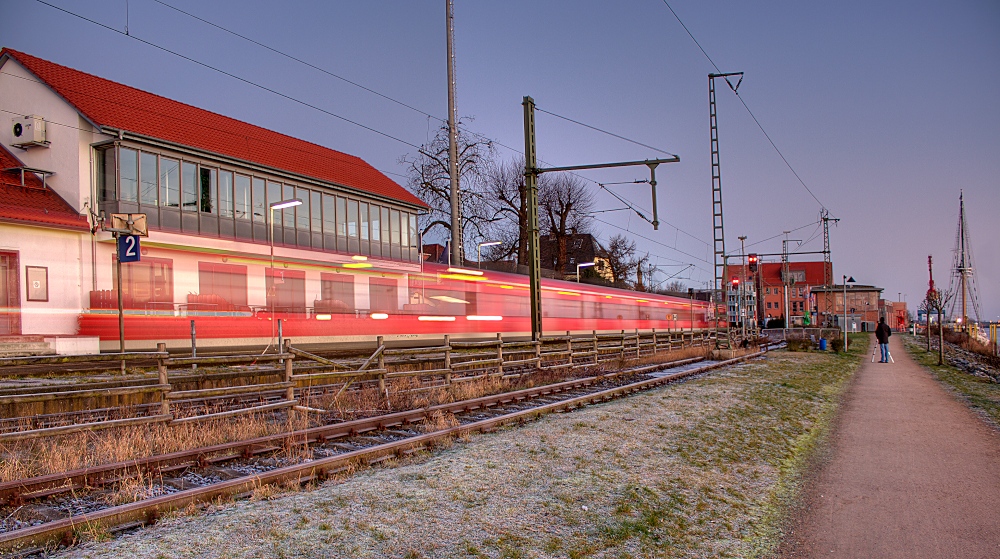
189,186
286,290
129,172
226,281
148,178
147,284
336,292
209,197
259,201
383,294
225,194
106,174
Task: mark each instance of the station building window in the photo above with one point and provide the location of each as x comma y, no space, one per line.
188,196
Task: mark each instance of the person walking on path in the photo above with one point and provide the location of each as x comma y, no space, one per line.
911,473
882,332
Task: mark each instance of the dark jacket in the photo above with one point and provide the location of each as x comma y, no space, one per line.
882,332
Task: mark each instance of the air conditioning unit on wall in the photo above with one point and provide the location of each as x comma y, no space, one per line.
28,132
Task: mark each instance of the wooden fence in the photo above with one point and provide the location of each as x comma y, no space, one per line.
299,372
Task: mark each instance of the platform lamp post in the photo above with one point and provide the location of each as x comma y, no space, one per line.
280,205
582,265
479,251
846,279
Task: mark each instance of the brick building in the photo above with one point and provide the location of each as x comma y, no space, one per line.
803,279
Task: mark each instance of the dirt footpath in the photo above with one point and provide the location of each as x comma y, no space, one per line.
912,473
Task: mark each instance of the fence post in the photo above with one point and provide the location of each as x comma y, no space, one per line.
500,353
381,364
596,351
447,358
638,344
569,346
623,345
538,353
290,391
194,345
161,368
654,342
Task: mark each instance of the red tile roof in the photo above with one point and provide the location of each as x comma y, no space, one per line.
111,104
32,202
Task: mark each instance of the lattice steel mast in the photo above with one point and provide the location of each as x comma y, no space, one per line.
722,339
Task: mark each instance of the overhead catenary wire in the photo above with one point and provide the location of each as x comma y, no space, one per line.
231,75
612,134
747,107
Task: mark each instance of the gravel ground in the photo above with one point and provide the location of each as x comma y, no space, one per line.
689,470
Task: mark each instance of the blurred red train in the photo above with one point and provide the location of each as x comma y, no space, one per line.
426,305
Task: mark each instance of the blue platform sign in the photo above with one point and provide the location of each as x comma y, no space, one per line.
128,248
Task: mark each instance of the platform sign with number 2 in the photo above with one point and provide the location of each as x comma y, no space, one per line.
128,248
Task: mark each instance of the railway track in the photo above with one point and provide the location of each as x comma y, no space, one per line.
78,500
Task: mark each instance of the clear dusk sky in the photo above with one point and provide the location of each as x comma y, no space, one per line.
885,109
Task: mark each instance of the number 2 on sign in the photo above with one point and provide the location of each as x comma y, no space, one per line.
128,248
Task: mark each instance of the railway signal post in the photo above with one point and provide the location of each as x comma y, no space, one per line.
126,229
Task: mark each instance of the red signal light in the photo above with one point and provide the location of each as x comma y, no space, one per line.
752,260
736,281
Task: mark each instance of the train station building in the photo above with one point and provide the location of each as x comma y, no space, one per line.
79,149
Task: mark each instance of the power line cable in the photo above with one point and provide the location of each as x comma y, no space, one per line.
612,134
231,75
747,107
300,61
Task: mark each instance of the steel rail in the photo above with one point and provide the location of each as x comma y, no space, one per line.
15,492
148,511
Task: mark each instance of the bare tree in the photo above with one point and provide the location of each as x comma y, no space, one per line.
564,209
430,180
621,259
505,187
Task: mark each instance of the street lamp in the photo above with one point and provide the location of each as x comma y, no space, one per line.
479,250
291,203
582,265
846,279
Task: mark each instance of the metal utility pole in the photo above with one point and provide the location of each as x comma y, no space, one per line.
456,206
531,195
722,340
785,280
827,260
531,172
743,280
